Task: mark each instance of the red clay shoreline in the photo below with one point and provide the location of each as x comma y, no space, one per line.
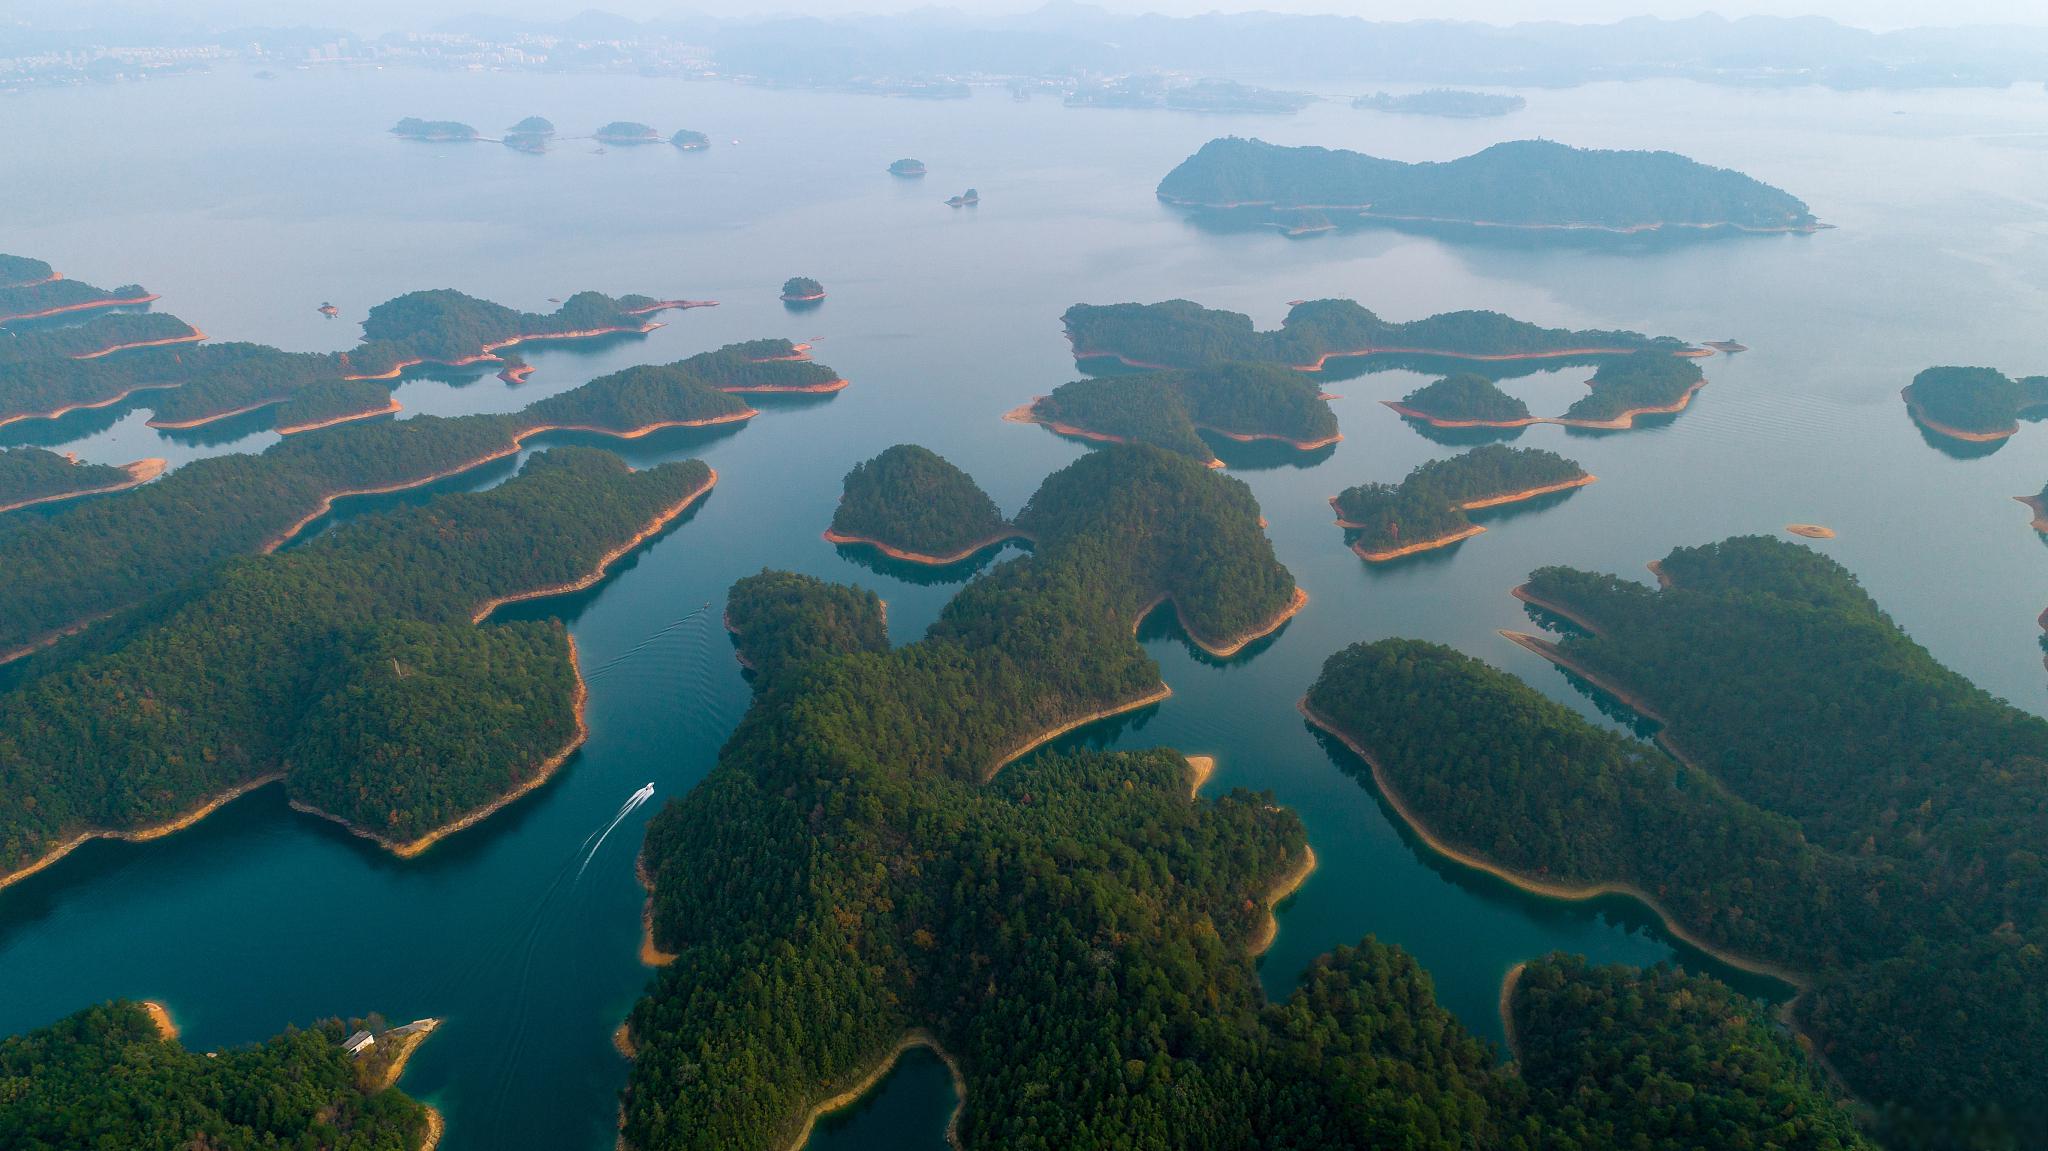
1028,414
826,388
893,552
141,834
487,354
1224,649
85,306
81,406
1621,421
140,472
1386,554
1465,533
1920,416
391,407
192,336
1255,437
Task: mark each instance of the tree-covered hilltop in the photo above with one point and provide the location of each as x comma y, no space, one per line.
1643,381
532,126
1911,899
1465,397
1076,930
351,666
911,499
28,475
94,337
445,326
20,271
690,140
626,132
83,562
906,167
1238,400
802,288
105,1077
186,383
51,297
781,621
1975,402
414,128
1183,334
1428,506
1443,102
764,366
1522,183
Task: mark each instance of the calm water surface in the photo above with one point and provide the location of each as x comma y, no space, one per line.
247,203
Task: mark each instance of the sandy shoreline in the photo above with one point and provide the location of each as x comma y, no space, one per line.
1522,592
967,552
86,306
142,834
2040,510
140,472
1027,414
542,772
391,407
488,354
192,336
1204,766
1230,647
1621,421
1516,497
1286,886
1811,531
1048,735
1321,361
917,1037
436,1127
1507,1007
166,1027
605,561
1921,417
81,406
1431,544
1546,888
1256,437
824,389
651,955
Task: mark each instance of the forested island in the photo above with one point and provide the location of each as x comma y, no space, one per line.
532,134
1908,904
1448,102
802,289
907,168
1427,509
31,476
1236,400
690,140
626,132
352,668
102,335
1641,383
1075,931
444,326
1520,184
1975,405
114,1076
32,297
414,128
85,562
1184,334
913,504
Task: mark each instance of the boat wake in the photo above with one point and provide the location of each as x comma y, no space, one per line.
631,805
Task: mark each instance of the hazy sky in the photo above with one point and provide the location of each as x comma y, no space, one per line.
379,14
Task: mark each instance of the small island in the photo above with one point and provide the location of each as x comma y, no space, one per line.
912,504
452,329
689,140
1973,405
802,290
1447,102
1811,531
532,134
966,199
32,476
1245,402
1647,382
1184,334
626,132
1464,400
1531,184
118,1071
909,169
1427,510
440,131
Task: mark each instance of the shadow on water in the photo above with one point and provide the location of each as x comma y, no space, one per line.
1241,221
1620,910
569,606
1101,735
1406,565
907,1111
1954,448
1264,455
1462,437
226,431
1609,705
77,425
925,575
1501,513
1163,622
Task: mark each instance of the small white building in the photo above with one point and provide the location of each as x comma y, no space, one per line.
358,1043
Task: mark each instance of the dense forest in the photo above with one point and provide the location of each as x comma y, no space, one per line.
92,337
1430,503
445,326
1167,408
25,301
34,473
1914,900
690,140
626,132
1448,102
1075,929
104,1078
192,382
802,288
351,665
1466,397
1184,334
914,500
20,271
1525,183
100,556
758,366
1973,401
1645,380
414,128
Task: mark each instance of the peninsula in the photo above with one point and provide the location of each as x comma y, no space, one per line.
912,504
1523,184
451,329
1243,401
101,335
57,296
112,1070
1184,334
906,866
1427,509
1781,830
1446,102
801,289
32,476
1974,405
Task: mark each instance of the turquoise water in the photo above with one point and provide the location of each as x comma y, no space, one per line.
247,204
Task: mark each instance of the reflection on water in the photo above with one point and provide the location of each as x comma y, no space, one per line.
258,917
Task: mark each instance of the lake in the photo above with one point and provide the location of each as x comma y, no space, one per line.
246,203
